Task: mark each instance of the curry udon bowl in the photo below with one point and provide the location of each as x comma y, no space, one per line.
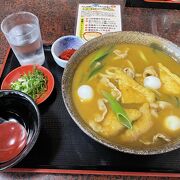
120,44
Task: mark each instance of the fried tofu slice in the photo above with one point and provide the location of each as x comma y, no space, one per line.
140,80
111,126
132,91
141,126
133,114
130,95
170,81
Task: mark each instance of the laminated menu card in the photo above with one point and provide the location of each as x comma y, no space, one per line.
96,19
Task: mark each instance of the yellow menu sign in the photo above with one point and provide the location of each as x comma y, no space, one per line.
96,19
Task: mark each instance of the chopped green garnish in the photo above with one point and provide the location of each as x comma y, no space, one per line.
118,110
95,70
143,57
156,47
177,102
99,59
33,83
97,64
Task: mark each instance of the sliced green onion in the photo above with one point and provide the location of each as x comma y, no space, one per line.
156,47
95,70
99,59
97,63
143,57
118,110
177,102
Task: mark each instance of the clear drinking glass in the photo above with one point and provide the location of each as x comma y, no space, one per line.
22,31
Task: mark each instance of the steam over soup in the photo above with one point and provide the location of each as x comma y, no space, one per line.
129,94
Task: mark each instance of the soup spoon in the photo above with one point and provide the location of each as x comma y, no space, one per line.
13,139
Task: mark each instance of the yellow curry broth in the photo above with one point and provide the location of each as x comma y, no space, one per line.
150,57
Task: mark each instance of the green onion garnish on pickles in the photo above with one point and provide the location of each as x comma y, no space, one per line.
118,110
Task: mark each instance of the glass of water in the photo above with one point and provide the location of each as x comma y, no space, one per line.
23,34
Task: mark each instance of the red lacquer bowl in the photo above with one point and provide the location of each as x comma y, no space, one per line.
18,72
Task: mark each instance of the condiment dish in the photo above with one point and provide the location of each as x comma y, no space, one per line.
63,43
18,72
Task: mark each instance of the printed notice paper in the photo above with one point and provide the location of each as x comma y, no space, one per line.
96,19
